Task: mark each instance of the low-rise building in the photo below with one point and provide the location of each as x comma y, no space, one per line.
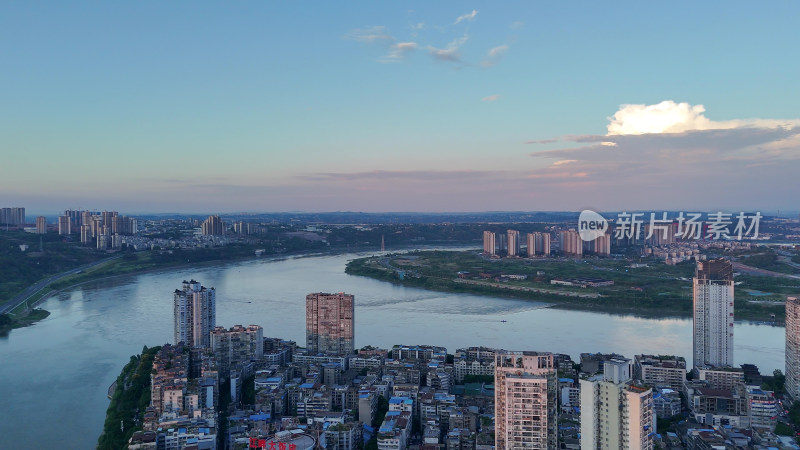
660,371
394,431
762,408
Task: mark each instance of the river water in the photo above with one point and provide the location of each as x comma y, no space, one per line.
55,374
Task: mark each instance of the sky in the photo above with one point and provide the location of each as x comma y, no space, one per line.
399,106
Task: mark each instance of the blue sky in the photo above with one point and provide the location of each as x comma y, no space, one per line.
402,106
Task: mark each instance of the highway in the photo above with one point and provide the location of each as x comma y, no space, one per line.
756,271
33,289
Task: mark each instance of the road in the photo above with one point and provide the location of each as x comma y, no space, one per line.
33,289
527,289
756,271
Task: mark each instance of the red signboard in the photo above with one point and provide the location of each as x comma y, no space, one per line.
270,445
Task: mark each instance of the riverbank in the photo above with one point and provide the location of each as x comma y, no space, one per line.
643,289
128,402
10,322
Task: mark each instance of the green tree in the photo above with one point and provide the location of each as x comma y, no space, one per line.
380,413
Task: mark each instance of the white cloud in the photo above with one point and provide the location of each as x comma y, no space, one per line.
516,25
491,98
469,17
497,51
370,35
494,55
671,117
450,53
399,51
541,141
659,154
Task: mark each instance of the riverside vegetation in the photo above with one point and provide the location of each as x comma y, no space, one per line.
652,289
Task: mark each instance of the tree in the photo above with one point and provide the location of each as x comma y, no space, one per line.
380,413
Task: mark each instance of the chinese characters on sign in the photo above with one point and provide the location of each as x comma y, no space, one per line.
270,445
688,226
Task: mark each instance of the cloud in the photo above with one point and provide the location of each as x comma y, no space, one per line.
370,35
415,175
451,53
494,55
378,35
516,25
659,156
491,98
468,17
542,141
671,117
497,51
398,51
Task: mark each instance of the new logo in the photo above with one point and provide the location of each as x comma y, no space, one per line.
591,225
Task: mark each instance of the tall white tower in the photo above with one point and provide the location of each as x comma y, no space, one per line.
793,347
615,412
195,314
713,313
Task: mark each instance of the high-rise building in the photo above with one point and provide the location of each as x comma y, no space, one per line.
526,410
793,347
86,218
513,242
12,216
502,243
74,219
530,240
213,226
123,224
109,219
538,244
543,243
713,313
64,225
236,346
571,243
240,227
602,245
86,234
41,225
660,234
195,314
329,323
615,412
489,243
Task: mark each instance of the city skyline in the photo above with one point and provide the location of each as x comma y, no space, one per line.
407,107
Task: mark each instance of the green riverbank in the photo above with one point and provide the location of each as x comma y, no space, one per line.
130,399
645,288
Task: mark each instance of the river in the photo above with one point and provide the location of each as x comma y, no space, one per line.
55,374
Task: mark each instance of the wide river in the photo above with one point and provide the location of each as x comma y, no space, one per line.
54,375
